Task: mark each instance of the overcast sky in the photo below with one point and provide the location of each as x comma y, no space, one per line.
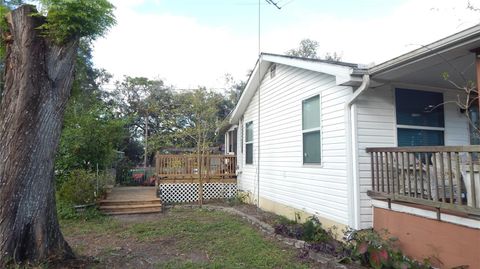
190,43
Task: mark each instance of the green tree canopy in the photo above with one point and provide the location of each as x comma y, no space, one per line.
308,48
92,131
67,20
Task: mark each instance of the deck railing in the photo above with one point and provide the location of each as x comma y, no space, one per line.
440,177
184,167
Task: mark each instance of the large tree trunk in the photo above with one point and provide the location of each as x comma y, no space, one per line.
38,81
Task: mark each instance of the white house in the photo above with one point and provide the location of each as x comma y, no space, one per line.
302,126
288,166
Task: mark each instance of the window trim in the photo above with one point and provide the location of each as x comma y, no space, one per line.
420,127
310,130
250,142
241,137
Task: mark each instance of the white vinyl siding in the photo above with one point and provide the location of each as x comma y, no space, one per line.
283,177
377,127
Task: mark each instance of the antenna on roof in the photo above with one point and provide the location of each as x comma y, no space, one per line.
273,3
270,2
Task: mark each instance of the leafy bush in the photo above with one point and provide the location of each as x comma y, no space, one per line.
67,211
123,171
366,247
78,188
238,199
378,250
310,231
314,232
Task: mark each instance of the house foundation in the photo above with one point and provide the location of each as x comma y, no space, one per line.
445,244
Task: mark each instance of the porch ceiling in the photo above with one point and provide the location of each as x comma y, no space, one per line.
460,68
426,65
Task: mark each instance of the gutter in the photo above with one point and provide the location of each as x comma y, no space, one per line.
353,179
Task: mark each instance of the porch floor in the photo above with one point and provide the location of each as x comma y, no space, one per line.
131,200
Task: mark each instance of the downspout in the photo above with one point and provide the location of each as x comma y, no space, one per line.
259,84
352,155
258,134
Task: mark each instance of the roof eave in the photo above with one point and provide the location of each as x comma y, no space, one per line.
436,47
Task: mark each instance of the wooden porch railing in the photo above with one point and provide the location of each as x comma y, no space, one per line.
441,177
189,167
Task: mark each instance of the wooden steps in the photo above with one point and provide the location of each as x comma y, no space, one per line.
107,202
131,200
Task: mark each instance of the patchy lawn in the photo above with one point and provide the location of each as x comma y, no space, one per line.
180,238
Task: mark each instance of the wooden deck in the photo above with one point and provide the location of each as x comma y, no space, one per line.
191,178
131,200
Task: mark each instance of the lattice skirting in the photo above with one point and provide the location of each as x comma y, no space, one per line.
188,192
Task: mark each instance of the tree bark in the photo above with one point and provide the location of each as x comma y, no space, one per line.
38,81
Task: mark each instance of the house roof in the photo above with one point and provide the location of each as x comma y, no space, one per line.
345,74
421,66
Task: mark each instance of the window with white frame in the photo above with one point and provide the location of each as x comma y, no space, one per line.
311,130
420,118
249,142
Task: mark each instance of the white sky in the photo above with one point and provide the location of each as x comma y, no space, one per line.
190,44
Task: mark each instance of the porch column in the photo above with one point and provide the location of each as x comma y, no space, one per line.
477,65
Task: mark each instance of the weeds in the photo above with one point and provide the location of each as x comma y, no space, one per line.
367,247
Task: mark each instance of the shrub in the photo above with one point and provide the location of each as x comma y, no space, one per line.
67,211
378,250
366,247
311,230
238,199
314,232
78,188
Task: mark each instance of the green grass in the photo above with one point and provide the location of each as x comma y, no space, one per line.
228,241
99,225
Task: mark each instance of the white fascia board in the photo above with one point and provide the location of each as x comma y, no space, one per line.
341,73
252,84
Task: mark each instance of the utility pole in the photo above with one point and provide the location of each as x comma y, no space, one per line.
145,162
271,2
146,143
